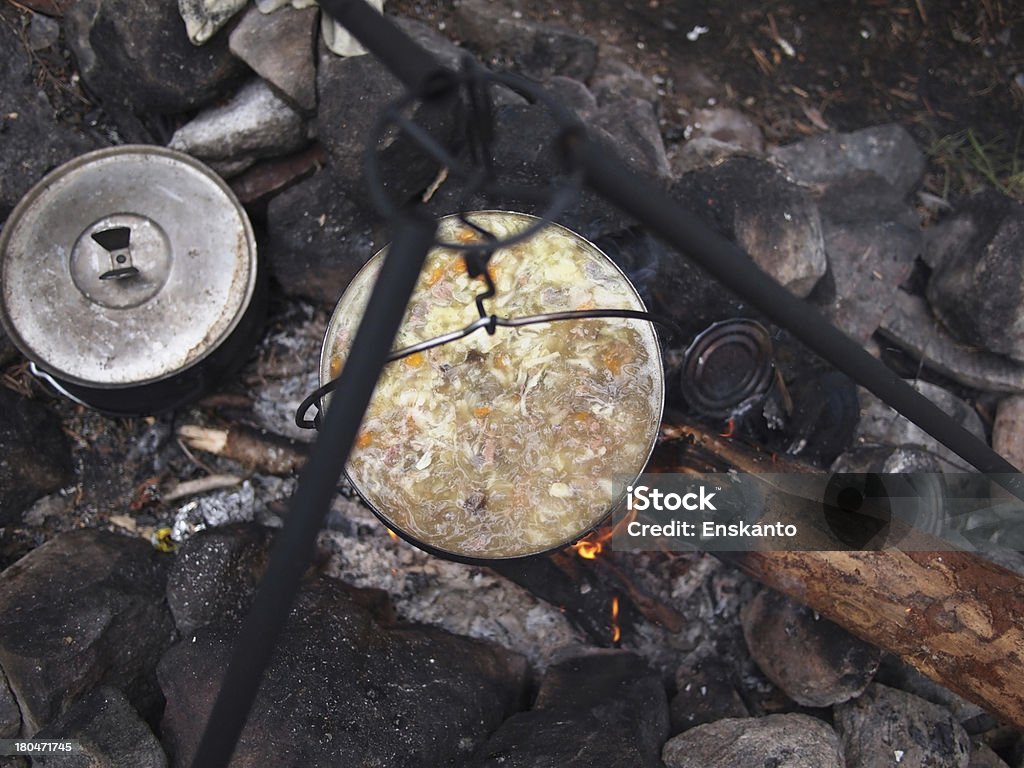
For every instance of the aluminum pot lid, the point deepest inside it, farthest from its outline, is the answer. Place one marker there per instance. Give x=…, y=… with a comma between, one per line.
x=125, y=266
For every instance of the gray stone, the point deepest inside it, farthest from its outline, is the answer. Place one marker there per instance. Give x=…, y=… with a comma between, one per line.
x=604, y=709
x=814, y=661
x=881, y=425
x=85, y=608
x=637, y=138
x=353, y=91
x=982, y=756
x=887, y=727
x=1008, y=430
x=343, y=690
x=614, y=80
x=773, y=220
x=215, y=576
x=969, y=229
x=909, y=324
x=536, y=50
x=867, y=263
x=253, y=124
x=872, y=238
x=896, y=673
x=573, y=94
x=35, y=140
x=317, y=238
x=715, y=134
x=885, y=150
x=34, y=455
x=43, y=32
x=780, y=741
x=135, y=54
x=281, y=48
x=977, y=291
x=110, y=732
x=705, y=694
x=204, y=17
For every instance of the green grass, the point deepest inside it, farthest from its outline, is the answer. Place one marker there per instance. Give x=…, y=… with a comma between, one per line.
x=966, y=163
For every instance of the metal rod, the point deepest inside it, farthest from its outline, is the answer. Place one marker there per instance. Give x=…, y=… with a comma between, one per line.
x=409, y=62
x=293, y=545
x=729, y=264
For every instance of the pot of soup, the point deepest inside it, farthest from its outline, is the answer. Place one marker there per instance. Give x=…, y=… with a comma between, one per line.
x=506, y=444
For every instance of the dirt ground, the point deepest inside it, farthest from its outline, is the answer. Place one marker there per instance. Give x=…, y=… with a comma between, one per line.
x=952, y=72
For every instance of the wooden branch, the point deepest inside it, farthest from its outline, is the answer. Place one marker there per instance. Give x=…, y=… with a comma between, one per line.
x=953, y=615
x=262, y=451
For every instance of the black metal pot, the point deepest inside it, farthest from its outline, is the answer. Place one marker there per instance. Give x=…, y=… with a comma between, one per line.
x=129, y=278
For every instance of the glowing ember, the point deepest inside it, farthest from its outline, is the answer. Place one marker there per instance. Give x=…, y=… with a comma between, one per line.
x=616, y=629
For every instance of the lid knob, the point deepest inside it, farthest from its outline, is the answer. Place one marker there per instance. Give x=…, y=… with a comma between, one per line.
x=116, y=242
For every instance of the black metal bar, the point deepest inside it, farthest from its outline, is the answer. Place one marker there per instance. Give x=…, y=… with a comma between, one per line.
x=408, y=61
x=293, y=545
x=657, y=211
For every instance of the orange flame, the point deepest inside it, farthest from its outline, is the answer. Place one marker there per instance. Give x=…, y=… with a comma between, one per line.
x=616, y=629
x=588, y=548
x=592, y=545
x=392, y=534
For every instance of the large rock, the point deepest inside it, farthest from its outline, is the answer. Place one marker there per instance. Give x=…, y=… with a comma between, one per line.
x=281, y=48
x=318, y=237
x=815, y=662
x=343, y=690
x=615, y=80
x=353, y=92
x=977, y=288
x=773, y=220
x=909, y=324
x=780, y=741
x=887, y=727
x=606, y=709
x=85, y=608
x=204, y=17
x=872, y=238
x=253, y=124
x=714, y=134
x=110, y=732
x=536, y=50
x=634, y=127
x=884, y=150
x=34, y=456
x=136, y=54
x=35, y=139
x=215, y=575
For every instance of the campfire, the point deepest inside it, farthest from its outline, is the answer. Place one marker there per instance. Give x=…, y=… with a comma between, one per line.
x=158, y=535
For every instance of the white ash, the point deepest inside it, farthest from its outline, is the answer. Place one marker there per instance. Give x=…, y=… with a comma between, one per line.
x=286, y=371
x=464, y=599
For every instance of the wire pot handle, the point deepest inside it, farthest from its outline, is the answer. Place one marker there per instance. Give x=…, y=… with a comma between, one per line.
x=489, y=323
